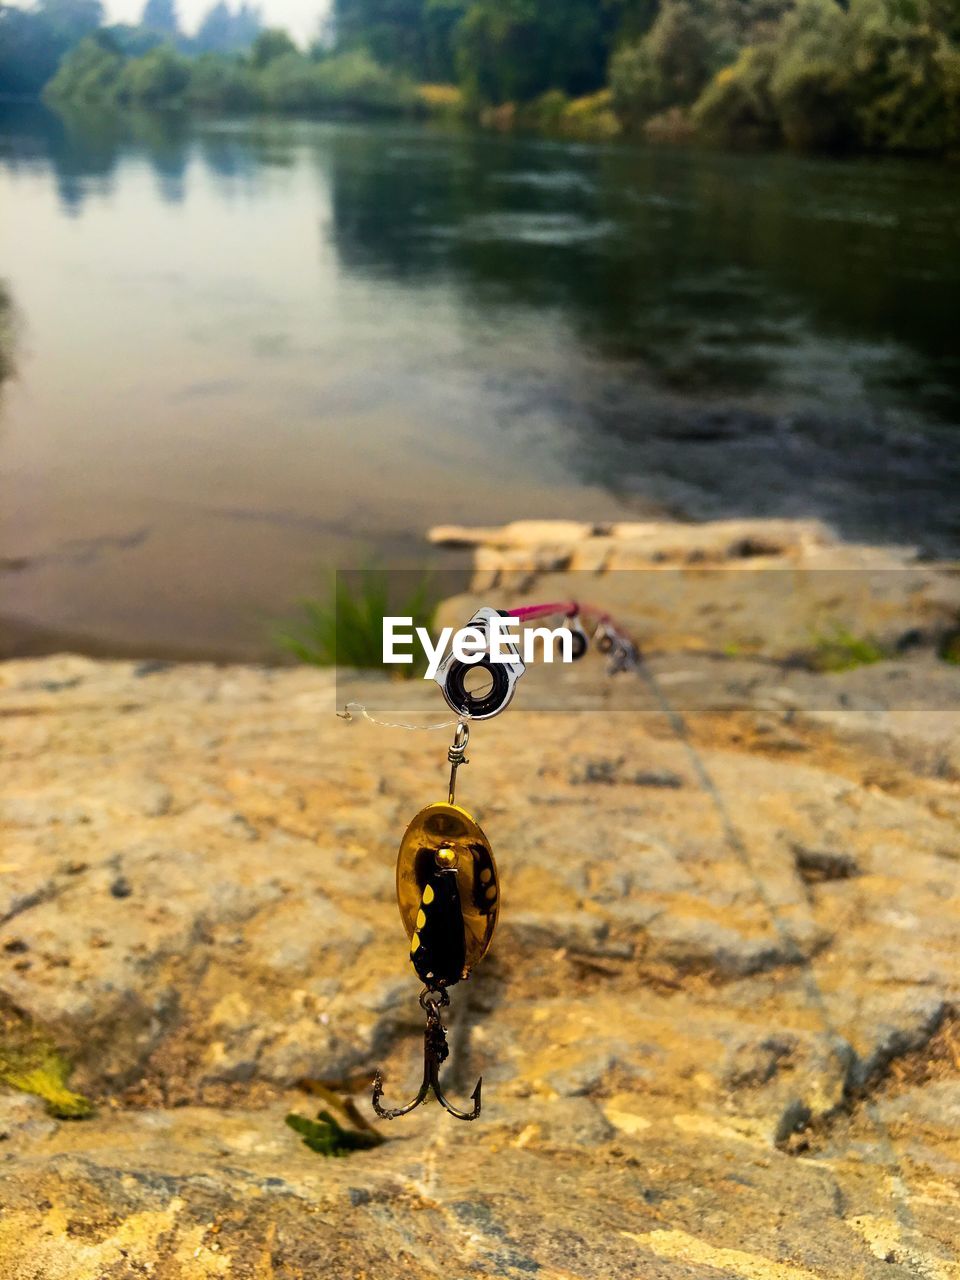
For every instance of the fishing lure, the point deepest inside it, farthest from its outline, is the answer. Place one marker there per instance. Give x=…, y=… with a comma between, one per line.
x=448, y=893
x=448, y=890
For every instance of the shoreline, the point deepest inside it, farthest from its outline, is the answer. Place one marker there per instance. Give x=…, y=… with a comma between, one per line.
x=510, y=119
x=21, y=639
x=563, y=559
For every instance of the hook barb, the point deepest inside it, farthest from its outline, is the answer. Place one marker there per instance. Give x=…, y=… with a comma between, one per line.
x=434, y=1052
x=461, y=1115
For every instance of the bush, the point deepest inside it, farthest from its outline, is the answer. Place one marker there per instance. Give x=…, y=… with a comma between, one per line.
x=351, y=80
x=880, y=75
x=948, y=62
x=546, y=112
x=89, y=73
x=6, y=332
x=270, y=45
x=127, y=40
x=874, y=74
x=635, y=86
x=287, y=83
x=673, y=125
x=681, y=49
x=810, y=87
x=668, y=67
x=943, y=16
x=902, y=68
x=158, y=79
x=355, y=80
x=591, y=117
x=736, y=108
x=222, y=83
x=440, y=99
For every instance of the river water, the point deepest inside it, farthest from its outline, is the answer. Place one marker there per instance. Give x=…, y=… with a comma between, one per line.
x=251, y=351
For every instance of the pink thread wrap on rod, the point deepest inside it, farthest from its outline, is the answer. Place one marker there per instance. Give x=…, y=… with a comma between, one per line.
x=542, y=610
x=569, y=608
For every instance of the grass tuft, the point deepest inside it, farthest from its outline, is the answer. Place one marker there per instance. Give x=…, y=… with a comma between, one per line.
x=841, y=650
x=346, y=628
x=6, y=332
x=949, y=650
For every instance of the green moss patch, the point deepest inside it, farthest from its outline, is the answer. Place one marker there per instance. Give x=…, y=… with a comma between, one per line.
x=328, y=1137
x=31, y=1063
x=841, y=650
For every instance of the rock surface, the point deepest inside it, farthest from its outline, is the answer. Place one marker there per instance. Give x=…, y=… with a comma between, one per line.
x=718, y=1029
x=777, y=588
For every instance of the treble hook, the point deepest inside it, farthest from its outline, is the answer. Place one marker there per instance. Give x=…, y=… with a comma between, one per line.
x=435, y=1051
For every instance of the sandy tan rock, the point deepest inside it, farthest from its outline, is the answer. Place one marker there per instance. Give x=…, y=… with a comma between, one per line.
x=717, y=1029
x=517, y=535
x=767, y=587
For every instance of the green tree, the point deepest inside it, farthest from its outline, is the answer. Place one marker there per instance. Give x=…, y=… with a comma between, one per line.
x=288, y=84
x=247, y=25
x=89, y=73
x=943, y=16
x=29, y=51
x=355, y=80
x=71, y=20
x=736, y=106
x=351, y=80
x=222, y=83
x=215, y=33
x=441, y=19
x=900, y=76
x=635, y=84
x=270, y=44
x=129, y=41
x=158, y=79
x=515, y=50
x=682, y=53
x=811, y=84
x=634, y=19
x=223, y=31
x=161, y=16
x=397, y=33
x=734, y=24
x=669, y=67
x=32, y=41
x=874, y=74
